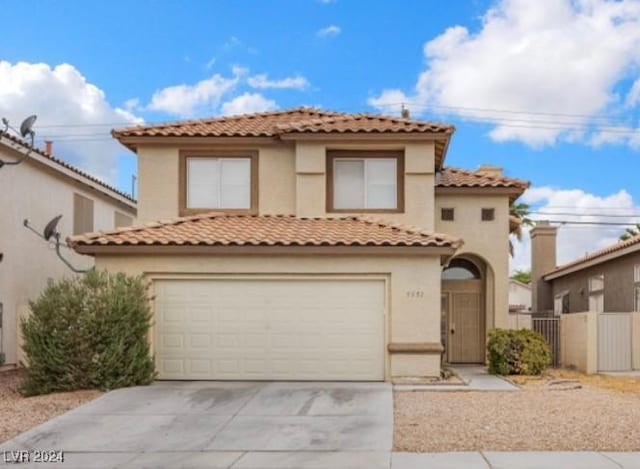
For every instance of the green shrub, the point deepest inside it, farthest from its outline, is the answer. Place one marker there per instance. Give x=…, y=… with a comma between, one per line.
x=88, y=332
x=517, y=352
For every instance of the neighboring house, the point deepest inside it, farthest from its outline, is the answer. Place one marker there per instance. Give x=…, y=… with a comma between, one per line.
x=306, y=244
x=38, y=189
x=598, y=298
x=519, y=296
x=519, y=304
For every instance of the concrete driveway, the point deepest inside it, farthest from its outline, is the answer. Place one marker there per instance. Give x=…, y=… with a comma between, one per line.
x=218, y=424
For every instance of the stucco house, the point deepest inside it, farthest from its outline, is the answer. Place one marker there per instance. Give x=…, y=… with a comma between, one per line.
x=312, y=245
x=597, y=298
x=38, y=189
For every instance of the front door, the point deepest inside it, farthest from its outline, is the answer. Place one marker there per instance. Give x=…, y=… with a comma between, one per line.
x=465, y=328
x=463, y=331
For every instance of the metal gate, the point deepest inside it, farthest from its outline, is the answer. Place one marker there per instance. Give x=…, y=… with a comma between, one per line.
x=549, y=328
x=614, y=342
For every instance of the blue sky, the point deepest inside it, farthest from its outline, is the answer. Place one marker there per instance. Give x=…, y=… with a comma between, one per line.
x=546, y=89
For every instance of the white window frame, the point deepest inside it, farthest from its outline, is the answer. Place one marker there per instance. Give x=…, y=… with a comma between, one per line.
x=596, y=293
x=636, y=273
x=592, y=281
x=558, y=303
x=219, y=183
x=365, y=169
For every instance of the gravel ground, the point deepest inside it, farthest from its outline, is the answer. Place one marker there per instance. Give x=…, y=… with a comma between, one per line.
x=535, y=418
x=18, y=413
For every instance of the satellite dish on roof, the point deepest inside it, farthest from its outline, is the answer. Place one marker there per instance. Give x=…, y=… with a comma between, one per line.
x=26, y=128
x=50, y=230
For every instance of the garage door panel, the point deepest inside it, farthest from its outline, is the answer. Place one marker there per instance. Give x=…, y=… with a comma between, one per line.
x=270, y=329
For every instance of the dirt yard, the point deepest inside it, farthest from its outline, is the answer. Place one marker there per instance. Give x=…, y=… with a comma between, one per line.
x=564, y=411
x=19, y=414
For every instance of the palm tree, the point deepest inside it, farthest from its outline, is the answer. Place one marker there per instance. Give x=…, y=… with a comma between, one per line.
x=630, y=232
x=518, y=217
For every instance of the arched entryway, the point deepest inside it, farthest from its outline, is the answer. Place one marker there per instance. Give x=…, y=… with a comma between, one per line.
x=463, y=321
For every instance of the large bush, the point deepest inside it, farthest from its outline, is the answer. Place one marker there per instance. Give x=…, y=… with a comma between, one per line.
x=517, y=352
x=88, y=332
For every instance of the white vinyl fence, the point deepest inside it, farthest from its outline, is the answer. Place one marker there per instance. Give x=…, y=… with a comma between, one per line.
x=614, y=341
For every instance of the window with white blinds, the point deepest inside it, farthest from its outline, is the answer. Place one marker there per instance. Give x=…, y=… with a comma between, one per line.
x=367, y=183
x=223, y=183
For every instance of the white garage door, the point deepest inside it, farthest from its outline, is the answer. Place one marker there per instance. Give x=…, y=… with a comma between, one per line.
x=270, y=329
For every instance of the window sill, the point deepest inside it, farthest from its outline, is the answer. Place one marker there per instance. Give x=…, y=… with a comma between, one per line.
x=185, y=212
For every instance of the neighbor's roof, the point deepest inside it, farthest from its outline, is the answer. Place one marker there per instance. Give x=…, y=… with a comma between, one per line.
x=597, y=257
x=216, y=229
x=20, y=145
x=287, y=124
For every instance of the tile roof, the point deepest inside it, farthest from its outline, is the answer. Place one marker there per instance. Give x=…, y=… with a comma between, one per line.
x=271, y=124
x=216, y=229
x=70, y=167
x=596, y=255
x=456, y=177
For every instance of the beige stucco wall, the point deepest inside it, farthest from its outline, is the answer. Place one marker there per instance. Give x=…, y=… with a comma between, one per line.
x=33, y=191
x=488, y=240
x=579, y=341
x=292, y=180
x=410, y=318
x=635, y=351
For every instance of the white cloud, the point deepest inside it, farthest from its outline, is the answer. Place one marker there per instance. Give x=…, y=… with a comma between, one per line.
x=633, y=96
x=210, y=63
x=329, y=31
x=186, y=100
x=558, y=57
x=575, y=205
x=248, y=103
x=68, y=109
x=262, y=81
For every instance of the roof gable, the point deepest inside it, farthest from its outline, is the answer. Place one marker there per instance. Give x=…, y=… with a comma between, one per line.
x=18, y=145
x=292, y=124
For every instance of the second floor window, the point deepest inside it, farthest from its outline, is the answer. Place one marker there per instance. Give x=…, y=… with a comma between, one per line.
x=368, y=183
x=82, y=214
x=218, y=183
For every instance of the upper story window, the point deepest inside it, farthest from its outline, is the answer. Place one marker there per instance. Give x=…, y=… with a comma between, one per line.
x=82, y=214
x=121, y=220
x=447, y=214
x=488, y=214
x=220, y=181
x=365, y=181
x=596, y=293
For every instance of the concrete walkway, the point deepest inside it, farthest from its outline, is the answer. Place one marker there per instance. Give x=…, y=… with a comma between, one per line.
x=516, y=460
x=476, y=378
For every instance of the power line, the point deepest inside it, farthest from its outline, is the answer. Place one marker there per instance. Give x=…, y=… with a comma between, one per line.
x=612, y=215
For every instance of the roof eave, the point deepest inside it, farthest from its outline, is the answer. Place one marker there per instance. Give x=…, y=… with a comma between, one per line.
x=581, y=265
x=119, y=250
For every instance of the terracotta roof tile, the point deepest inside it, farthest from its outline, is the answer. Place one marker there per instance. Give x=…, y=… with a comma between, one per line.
x=456, y=177
x=216, y=229
x=70, y=167
x=635, y=241
x=271, y=124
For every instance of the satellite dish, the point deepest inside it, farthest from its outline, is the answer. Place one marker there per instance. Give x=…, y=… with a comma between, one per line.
x=50, y=229
x=26, y=128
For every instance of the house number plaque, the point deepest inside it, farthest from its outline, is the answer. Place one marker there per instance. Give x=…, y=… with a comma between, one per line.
x=415, y=293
